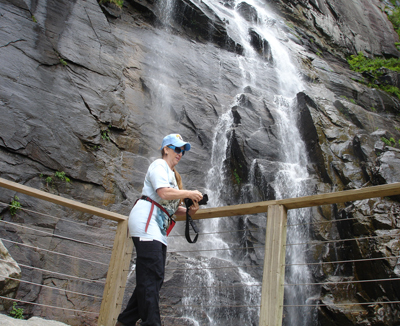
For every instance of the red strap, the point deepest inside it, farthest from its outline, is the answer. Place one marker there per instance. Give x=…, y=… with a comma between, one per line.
x=155, y=203
x=171, y=221
x=149, y=218
x=171, y=225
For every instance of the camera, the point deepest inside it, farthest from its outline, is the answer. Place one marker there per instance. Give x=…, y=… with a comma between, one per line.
x=203, y=201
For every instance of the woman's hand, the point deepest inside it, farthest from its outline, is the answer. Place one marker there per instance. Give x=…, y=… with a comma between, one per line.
x=195, y=195
x=194, y=208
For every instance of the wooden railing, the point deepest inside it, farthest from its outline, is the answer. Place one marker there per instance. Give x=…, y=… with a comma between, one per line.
x=119, y=263
x=274, y=261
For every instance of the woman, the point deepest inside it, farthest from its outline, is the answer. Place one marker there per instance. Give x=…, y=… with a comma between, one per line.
x=148, y=225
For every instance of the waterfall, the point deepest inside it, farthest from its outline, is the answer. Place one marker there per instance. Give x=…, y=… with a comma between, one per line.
x=291, y=179
x=213, y=302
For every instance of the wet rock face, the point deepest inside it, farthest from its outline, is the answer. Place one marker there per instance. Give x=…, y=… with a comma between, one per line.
x=91, y=90
x=345, y=27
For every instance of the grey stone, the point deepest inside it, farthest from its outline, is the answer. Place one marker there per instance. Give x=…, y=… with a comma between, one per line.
x=9, y=279
x=34, y=321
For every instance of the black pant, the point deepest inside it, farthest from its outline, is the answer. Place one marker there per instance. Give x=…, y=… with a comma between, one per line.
x=144, y=302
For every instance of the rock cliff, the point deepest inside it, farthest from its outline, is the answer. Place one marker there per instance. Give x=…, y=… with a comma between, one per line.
x=90, y=90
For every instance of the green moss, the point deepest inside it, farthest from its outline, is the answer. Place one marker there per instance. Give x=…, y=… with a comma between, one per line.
x=394, y=17
x=237, y=177
x=15, y=205
x=118, y=3
x=105, y=134
x=390, y=142
x=372, y=67
x=61, y=175
x=360, y=63
x=17, y=313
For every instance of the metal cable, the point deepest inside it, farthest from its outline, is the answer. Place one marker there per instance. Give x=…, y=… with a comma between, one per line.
x=55, y=252
x=203, y=268
x=43, y=305
x=51, y=287
x=200, y=250
x=341, y=240
x=213, y=306
x=347, y=282
x=51, y=272
x=345, y=261
x=56, y=235
x=341, y=304
x=54, y=217
x=323, y=222
x=222, y=232
x=216, y=286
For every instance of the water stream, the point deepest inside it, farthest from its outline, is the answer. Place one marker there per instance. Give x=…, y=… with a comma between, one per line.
x=215, y=303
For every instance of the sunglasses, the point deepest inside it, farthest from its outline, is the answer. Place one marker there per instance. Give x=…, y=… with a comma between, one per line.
x=177, y=150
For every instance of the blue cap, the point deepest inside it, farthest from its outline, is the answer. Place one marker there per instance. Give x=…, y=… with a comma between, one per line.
x=175, y=140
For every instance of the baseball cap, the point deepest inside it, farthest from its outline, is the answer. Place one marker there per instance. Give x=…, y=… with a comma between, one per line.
x=175, y=140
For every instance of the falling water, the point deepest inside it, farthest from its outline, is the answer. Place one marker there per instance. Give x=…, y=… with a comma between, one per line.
x=290, y=181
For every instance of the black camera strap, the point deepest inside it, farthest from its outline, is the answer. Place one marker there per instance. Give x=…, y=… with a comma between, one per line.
x=190, y=221
x=188, y=202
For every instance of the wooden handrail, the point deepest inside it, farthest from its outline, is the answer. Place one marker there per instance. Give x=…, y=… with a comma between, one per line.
x=61, y=200
x=272, y=295
x=300, y=202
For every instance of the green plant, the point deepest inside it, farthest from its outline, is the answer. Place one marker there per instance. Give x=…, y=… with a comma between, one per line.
x=17, y=313
x=105, y=135
x=394, y=17
x=237, y=177
x=386, y=141
x=118, y=3
x=63, y=62
x=372, y=67
x=61, y=175
x=361, y=63
x=15, y=205
x=389, y=142
x=58, y=174
x=34, y=19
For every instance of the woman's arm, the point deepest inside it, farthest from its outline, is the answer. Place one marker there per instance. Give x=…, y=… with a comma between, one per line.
x=172, y=193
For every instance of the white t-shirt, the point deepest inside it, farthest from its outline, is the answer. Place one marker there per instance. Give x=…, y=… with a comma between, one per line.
x=159, y=175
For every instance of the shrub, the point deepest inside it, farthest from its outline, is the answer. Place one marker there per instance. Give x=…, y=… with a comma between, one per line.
x=17, y=313
x=362, y=64
x=118, y=3
x=15, y=205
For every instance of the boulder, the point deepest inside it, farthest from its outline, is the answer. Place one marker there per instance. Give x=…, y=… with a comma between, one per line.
x=33, y=321
x=9, y=279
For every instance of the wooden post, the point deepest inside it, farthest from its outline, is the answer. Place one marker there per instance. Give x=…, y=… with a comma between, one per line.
x=116, y=276
x=274, y=267
x=124, y=277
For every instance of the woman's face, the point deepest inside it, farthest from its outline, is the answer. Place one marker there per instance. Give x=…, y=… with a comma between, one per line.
x=172, y=157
